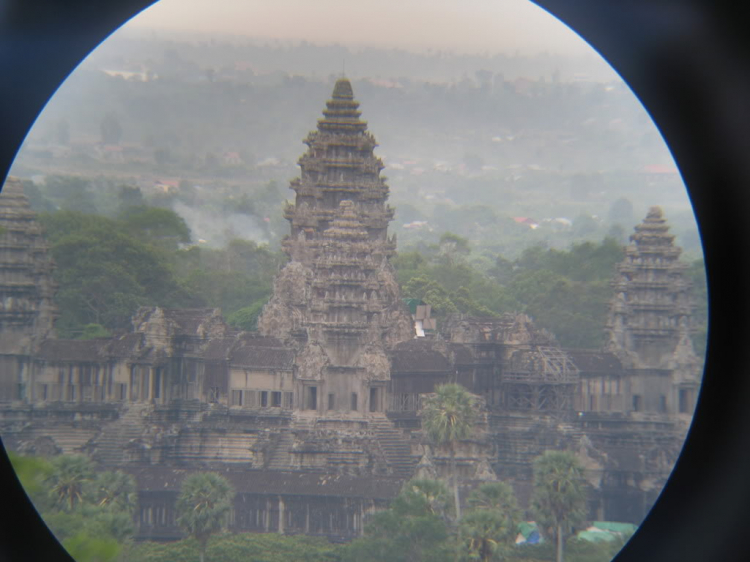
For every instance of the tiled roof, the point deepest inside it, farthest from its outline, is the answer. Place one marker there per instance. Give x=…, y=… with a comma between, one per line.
x=125, y=346
x=418, y=356
x=74, y=350
x=262, y=352
x=593, y=361
x=219, y=348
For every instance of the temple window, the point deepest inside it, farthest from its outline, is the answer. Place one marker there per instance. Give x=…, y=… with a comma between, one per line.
x=311, y=399
x=276, y=399
x=684, y=402
x=133, y=383
x=637, y=403
x=354, y=401
x=157, y=383
x=374, y=399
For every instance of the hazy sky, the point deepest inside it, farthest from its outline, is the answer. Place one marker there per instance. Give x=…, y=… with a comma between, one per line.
x=460, y=25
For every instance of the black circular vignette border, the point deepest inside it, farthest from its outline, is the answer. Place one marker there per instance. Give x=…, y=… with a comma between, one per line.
x=689, y=63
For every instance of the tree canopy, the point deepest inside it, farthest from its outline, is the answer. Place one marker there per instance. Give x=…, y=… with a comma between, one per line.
x=447, y=418
x=203, y=506
x=413, y=529
x=559, y=495
x=90, y=513
x=108, y=267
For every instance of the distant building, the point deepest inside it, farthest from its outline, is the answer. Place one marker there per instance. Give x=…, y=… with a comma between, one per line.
x=315, y=419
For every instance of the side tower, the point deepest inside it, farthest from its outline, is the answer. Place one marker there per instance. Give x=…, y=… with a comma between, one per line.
x=650, y=317
x=337, y=299
x=27, y=310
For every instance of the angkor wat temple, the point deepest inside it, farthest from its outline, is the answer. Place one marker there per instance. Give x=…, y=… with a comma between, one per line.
x=315, y=417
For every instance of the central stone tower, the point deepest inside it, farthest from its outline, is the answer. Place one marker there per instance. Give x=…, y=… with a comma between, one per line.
x=337, y=299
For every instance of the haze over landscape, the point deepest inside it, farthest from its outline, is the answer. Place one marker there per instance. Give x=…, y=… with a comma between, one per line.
x=518, y=164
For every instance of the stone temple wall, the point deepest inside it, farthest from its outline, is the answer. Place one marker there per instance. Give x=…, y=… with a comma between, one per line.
x=316, y=417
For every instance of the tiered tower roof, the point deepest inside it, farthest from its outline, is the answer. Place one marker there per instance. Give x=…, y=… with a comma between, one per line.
x=651, y=312
x=27, y=311
x=339, y=283
x=339, y=165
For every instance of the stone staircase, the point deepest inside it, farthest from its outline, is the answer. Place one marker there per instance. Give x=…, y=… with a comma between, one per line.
x=395, y=447
x=115, y=436
x=70, y=441
x=281, y=458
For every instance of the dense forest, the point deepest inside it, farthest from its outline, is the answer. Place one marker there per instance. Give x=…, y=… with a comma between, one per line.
x=139, y=253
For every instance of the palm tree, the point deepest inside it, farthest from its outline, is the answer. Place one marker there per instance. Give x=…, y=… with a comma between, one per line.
x=559, y=495
x=422, y=496
x=484, y=530
x=114, y=489
x=492, y=521
x=203, y=505
x=495, y=495
x=70, y=475
x=447, y=418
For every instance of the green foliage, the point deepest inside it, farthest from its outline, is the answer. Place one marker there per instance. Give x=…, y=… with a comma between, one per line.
x=33, y=473
x=495, y=495
x=422, y=496
x=93, y=331
x=236, y=277
x=414, y=528
x=92, y=515
x=84, y=547
x=156, y=225
x=203, y=506
x=559, y=495
x=431, y=293
x=89, y=524
x=576, y=550
x=70, y=475
x=484, y=531
x=244, y=546
x=448, y=415
x=566, y=292
x=104, y=275
x=453, y=245
x=113, y=490
x=491, y=524
x=247, y=318
x=107, y=268
x=228, y=290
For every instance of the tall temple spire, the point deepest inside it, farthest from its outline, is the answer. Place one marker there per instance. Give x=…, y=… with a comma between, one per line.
x=339, y=165
x=27, y=310
x=650, y=315
x=337, y=298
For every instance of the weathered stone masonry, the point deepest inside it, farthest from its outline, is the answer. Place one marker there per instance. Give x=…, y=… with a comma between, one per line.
x=315, y=418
